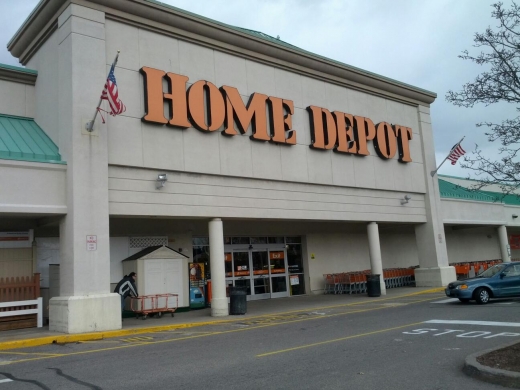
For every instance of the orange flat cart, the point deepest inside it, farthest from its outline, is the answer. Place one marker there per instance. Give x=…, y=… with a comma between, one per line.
x=149, y=305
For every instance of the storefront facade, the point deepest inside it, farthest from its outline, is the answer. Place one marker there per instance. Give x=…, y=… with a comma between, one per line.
x=270, y=163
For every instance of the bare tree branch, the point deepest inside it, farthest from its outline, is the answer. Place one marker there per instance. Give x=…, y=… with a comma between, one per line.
x=499, y=82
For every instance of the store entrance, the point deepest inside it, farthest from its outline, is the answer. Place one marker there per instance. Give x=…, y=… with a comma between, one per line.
x=262, y=271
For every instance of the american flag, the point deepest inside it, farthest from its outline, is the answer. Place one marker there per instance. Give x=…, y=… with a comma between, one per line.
x=456, y=153
x=111, y=95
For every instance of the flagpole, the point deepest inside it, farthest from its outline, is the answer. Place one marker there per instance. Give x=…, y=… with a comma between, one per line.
x=432, y=173
x=90, y=125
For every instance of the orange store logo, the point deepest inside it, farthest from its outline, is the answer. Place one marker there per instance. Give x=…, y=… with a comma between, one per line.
x=209, y=109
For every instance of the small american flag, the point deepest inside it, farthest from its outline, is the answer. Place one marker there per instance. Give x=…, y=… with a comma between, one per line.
x=111, y=95
x=456, y=153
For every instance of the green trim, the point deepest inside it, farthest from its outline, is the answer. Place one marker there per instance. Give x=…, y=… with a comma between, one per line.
x=279, y=42
x=513, y=200
x=19, y=69
x=22, y=139
x=454, y=191
x=454, y=177
x=510, y=199
x=449, y=190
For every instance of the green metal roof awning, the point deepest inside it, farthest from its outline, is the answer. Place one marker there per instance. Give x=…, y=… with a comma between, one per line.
x=454, y=191
x=22, y=139
x=507, y=199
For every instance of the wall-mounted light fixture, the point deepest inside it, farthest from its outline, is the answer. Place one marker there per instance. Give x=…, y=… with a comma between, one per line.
x=180, y=249
x=250, y=246
x=161, y=179
x=514, y=216
x=406, y=199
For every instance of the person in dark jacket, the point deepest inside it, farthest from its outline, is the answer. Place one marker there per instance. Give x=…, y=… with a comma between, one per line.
x=126, y=287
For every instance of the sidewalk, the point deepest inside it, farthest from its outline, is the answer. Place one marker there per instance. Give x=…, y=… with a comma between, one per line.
x=21, y=338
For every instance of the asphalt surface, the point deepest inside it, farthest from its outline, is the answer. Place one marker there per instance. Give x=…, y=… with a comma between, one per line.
x=405, y=342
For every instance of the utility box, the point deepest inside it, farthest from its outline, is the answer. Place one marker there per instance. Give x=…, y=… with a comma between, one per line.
x=160, y=270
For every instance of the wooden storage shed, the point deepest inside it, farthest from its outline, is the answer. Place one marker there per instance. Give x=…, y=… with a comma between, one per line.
x=160, y=270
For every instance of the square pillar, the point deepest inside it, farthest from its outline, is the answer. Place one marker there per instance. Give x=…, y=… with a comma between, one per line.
x=434, y=270
x=86, y=303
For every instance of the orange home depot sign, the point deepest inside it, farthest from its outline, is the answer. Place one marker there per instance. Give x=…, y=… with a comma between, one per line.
x=209, y=109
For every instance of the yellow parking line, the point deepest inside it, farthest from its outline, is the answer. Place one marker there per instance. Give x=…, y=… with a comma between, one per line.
x=30, y=353
x=132, y=345
x=98, y=336
x=336, y=340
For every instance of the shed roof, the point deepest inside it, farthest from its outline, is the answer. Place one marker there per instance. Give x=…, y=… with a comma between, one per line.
x=151, y=249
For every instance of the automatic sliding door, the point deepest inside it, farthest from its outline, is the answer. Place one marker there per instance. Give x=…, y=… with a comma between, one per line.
x=260, y=266
x=242, y=270
x=263, y=272
x=278, y=272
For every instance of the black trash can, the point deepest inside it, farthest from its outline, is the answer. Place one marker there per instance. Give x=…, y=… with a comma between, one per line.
x=373, y=285
x=237, y=300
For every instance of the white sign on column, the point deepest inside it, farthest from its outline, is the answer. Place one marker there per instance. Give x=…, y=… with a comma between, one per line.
x=91, y=243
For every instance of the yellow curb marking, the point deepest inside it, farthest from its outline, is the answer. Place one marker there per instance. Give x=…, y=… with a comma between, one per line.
x=131, y=345
x=336, y=340
x=59, y=339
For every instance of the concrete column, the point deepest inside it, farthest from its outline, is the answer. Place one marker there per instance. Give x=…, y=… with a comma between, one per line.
x=86, y=303
x=219, y=303
x=434, y=270
x=504, y=244
x=374, y=248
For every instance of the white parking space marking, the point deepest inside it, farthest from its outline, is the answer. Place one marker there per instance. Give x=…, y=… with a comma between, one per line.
x=464, y=334
x=447, y=300
x=5, y=380
x=453, y=300
x=486, y=323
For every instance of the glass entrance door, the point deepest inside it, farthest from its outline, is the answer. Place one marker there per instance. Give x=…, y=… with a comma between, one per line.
x=260, y=267
x=242, y=270
x=263, y=272
x=278, y=274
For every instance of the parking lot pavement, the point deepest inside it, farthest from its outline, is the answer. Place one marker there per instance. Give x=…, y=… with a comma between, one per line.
x=257, y=311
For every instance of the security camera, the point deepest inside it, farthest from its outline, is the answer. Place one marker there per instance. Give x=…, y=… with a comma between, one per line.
x=407, y=197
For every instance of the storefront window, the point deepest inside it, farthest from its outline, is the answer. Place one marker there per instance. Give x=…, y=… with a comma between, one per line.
x=241, y=264
x=269, y=262
x=201, y=255
x=295, y=268
x=228, y=264
x=200, y=241
x=297, y=284
x=258, y=240
x=294, y=258
x=240, y=240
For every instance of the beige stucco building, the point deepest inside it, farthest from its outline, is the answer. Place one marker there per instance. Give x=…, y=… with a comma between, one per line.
x=326, y=169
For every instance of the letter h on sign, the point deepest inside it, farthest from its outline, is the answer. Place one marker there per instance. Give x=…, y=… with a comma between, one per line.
x=208, y=108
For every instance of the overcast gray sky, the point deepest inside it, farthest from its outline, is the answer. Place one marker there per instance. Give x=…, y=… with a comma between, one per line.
x=412, y=41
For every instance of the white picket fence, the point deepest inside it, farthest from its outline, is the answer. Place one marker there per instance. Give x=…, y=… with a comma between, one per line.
x=38, y=310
